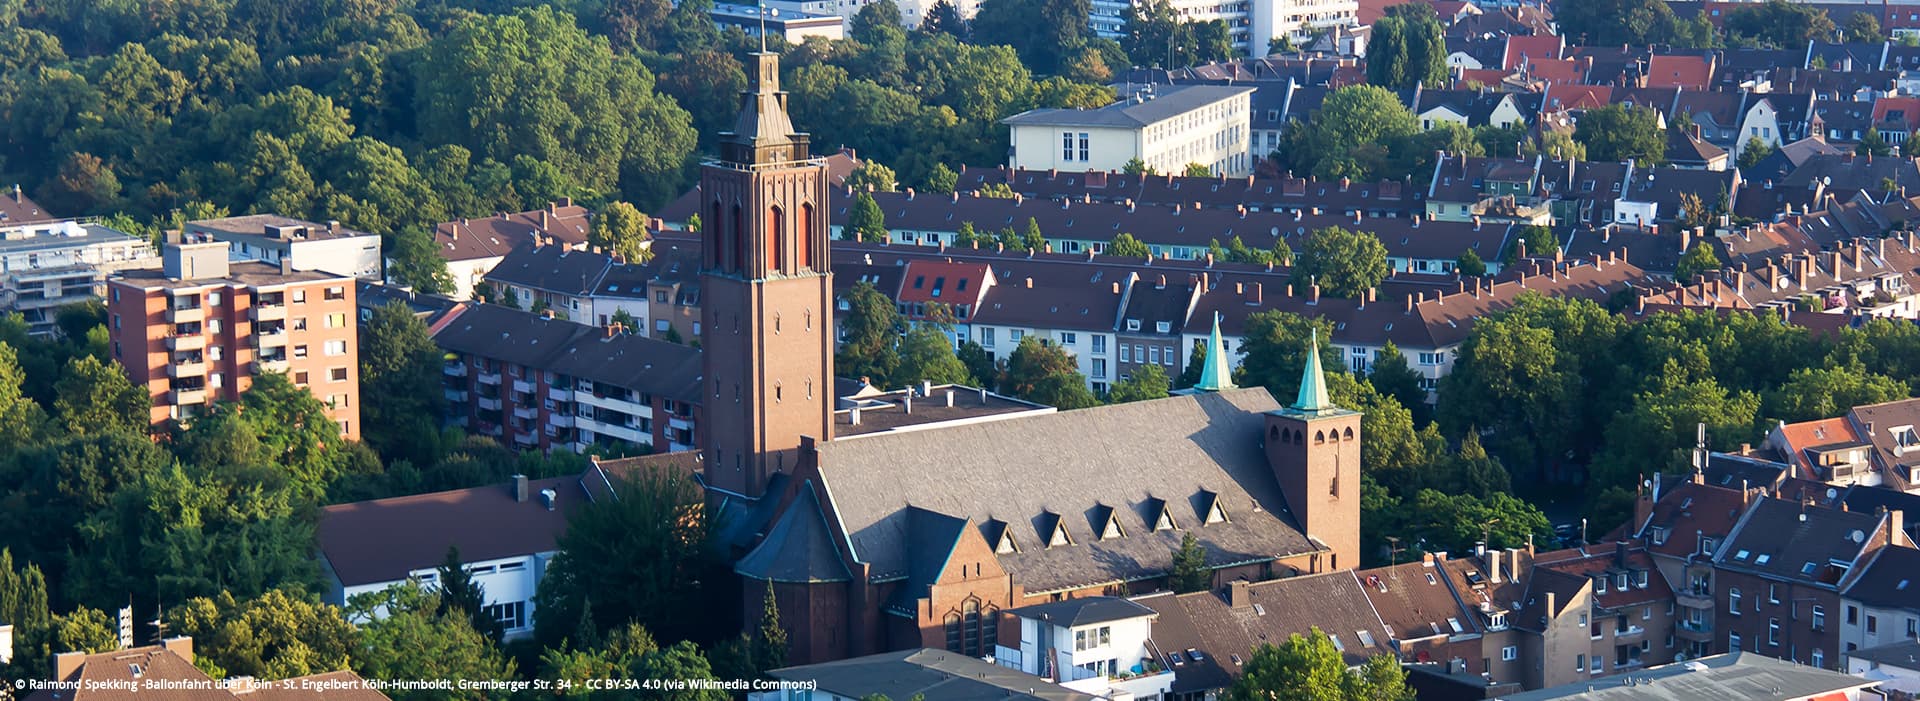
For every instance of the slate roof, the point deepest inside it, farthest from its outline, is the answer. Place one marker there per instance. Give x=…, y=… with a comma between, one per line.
x=1773, y=530
x=1414, y=600
x=555, y=269
x=508, y=335
x=1905, y=654
x=1176, y=449
x=798, y=548
x=1277, y=610
x=1685, y=512
x=624, y=360
x=1165, y=104
x=1534, y=612
x=492, y=237
x=1889, y=579
x=1735, y=675
x=1074, y=613
x=17, y=208
x=929, y=675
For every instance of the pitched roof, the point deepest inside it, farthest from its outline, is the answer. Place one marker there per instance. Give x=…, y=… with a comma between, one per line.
x=493, y=237
x=929, y=675
x=1226, y=637
x=1180, y=450
x=555, y=269
x=1087, y=611
x=1538, y=606
x=1415, y=600
x=384, y=540
x=1166, y=104
x=799, y=547
x=1890, y=579
x=1905, y=653
x=1667, y=71
x=1688, y=511
x=1782, y=539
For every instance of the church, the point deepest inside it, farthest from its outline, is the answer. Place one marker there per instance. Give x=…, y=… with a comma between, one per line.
x=920, y=538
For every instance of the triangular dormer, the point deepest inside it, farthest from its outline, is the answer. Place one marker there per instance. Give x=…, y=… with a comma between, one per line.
x=1054, y=529
x=1107, y=520
x=1159, y=517
x=995, y=531
x=1210, y=509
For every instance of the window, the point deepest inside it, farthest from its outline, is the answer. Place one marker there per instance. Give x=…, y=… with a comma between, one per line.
x=1153, y=352
x=1733, y=642
x=337, y=320
x=336, y=374
x=511, y=615
x=1126, y=353
x=1092, y=638
x=1580, y=663
x=213, y=299
x=1873, y=624
x=1853, y=615
x=1099, y=343
x=1015, y=335
x=1099, y=368
x=1167, y=357
x=660, y=326
x=1066, y=146
x=1819, y=617
x=300, y=378
x=1733, y=601
x=1068, y=338
x=336, y=293
x=1773, y=593
x=1913, y=626
x=1819, y=658
x=1083, y=147
x=1510, y=653
x=336, y=348
x=299, y=296
x=300, y=351
x=986, y=337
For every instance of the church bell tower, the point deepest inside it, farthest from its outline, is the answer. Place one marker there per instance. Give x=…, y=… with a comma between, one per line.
x=1313, y=447
x=767, y=332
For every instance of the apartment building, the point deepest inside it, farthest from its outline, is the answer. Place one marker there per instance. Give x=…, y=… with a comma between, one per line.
x=1300, y=21
x=535, y=381
x=306, y=246
x=547, y=276
x=1166, y=130
x=473, y=246
x=51, y=264
x=200, y=328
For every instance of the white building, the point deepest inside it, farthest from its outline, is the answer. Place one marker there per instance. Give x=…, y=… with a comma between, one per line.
x=1098, y=645
x=49, y=264
x=791, y=21
x=1895, y=665
x=269, y=238
x=1297, y=20
x=506, y=535
x=1204, y=124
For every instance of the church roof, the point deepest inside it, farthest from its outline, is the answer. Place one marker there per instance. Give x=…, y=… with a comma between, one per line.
x=799, y=548
x=1071, y=470
x=1313, y=381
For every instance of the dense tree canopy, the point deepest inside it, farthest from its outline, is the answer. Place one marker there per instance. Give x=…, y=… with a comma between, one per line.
x=1343, y=263
x=1618, y=133
x=1045, y=373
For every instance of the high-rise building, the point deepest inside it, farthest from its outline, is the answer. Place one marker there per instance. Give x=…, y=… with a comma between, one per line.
x=768, y=341
x=198, y=330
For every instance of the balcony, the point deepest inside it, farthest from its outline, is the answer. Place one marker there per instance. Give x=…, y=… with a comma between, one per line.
x=186, y=315
x=560, y=420
x=454, y=369
x=275, y=338
x=1701, y=632
x=489, y=378
x=1631, y=633
x=456, y=396
x=526, y=412
x=523, y=386
x=187, y=342
x=1694, y=599
x=488, y=403
x=559, y=394
x=526, y=439
x=188, y=396
x=269, y=312
x=271, y=365
x=196, y=368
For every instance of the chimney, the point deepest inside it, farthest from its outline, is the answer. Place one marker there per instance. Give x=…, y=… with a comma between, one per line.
x=1116, y=288
x=286, y=265
x=519, y=488
x=1551, y=600
x=949, y=398
x=1896, y=523
x=1620, y=554
x=1313, y=293
x=543, y=216
x=1411, y=302
x=1239, y=595
x=1160, y=283
x=17, y=197
x=549, y=497
x=1493, y=566
x=853, y=415
x=1029, y=283
x=67, y=664
x=1476, y=222
x=907, y=402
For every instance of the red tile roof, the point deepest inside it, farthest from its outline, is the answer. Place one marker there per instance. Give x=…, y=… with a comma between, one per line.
x=1679, y=72
x=1531, y=49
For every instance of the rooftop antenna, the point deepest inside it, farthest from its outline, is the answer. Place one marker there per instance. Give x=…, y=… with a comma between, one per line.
x=761, y=7
x=1393, y=552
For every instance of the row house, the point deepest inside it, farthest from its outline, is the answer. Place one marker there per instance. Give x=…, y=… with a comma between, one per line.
x=1385, y=198
x=539, y=382
x=1869, y=446
x=547, y=276
x=1474, y=108
x=472, y=246
x=1658, y=195
x=201, y=328
x=1864, y=278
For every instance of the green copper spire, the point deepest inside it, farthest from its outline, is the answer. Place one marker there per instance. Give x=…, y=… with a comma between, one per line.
x=1217, y=373
x=1313, y=382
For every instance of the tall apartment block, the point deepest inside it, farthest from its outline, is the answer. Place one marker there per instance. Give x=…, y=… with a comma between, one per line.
x=199, y=329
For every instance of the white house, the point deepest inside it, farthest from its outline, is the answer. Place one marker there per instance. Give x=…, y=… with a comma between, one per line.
x=506, y=536
x=1165, y=128
x=1097, y=645
x=1895, y=665
x=271, y=238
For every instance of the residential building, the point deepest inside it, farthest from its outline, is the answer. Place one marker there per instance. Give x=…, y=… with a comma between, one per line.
x=792, y=22
x=506, y=534
x=1896, y=666
x=51, y=264
x=1729, y=676
x=919, y=673
x=536, y=381
x=167, y=669
x=305, y=245
x=1299, y=21
x=1631, y=617
x=1881, y=608
x=1424, y=620
x=473, y=246
x=199, y=329
x=1166, y=130
x=1207, y=637
x=1098, y=645
x=545, y=277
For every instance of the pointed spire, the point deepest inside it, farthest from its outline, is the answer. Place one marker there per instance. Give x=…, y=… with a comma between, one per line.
x=1216, y=373
x=1313, y=381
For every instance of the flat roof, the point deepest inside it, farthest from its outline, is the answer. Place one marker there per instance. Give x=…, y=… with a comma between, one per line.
x=1166, y=104
x=256, y=225
x=245, y=273
x=78, y=236
x=1736, y=675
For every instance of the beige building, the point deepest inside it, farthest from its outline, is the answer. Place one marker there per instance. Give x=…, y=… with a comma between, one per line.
x=198, y=330
x=304, y=245
x=1166, y=130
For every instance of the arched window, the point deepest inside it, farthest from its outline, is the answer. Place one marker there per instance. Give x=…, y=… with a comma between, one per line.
x=1319, y=437
x=970, y=629
x=803, y=234
x=776, y=240
x=1346, y=435
x=989, y=629
x=739, y=238
x=715, y=226
x=953, y=632
x=1273, y=433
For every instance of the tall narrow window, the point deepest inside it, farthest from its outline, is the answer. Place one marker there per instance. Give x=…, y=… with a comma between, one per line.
x=776, y=240
x=739, y=238
x=717, y=226
x=803, y=235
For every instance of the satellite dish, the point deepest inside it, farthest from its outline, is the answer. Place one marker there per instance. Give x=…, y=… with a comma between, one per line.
x=1857, y=536
x=1831, y=493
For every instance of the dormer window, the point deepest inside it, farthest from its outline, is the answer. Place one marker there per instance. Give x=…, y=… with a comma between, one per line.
x=1112, y=529
x=1133, y=324
x=1210, y=505
x=1162, y=517
x=1659, y=535
x=1006, y=546
x=1600, y=584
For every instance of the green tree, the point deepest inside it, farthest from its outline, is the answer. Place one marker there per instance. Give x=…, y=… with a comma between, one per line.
x=1196, y=363
x=1190, y=572
x=869, y=175
x=1390, y=442
x=1275, y=344
x=651, y=544
x=871, y=331
x=1311, y=667
x=1135, y=166
x=1196, y=170
x=1469, y=264
x=460, y=594
x=1753, y=153
x=413, y=641
x=942, y=180
x=1457, y=521
x=980, y=364
x=1697, y=260
x=401, y=401
x=1779, y=23
x=94, y=396
x=582, y=661
x=769, y=639
x=926, y=354
x=1390, y=374
x=417, y=263
x=1348, y=137
x=682, y=660
x=1146, y=382
x=1872, y=144
x=1820, y=393
x=944, y=18
x=1537, y=241
x=282, y=633
x=621, y=230
x=1618, y=133
x=1659, y=428
x=865, y=222
x=1864, y=28
x=1045, y=373
x=86, y=630
x=1126, y=246
x=1344, y=263
x=84, y=184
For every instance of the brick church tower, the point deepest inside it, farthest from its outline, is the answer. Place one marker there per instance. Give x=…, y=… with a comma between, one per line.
x=1314, y=450
x=767, y=333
